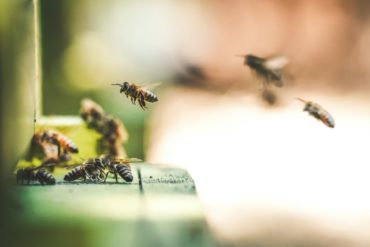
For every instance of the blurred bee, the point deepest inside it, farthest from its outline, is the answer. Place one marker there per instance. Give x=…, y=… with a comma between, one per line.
x=60, y=140
x=111, y=128
x=270, y=69
x=92, y=113
x=91, y=169
x=139, y=93
x=269, y=97
x=120, y=166
x=318, y=112
x=29, y=174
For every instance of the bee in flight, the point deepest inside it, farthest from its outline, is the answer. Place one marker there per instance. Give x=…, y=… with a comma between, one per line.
x=318, y=112
x=91, y=169
x=139, y=93
x=120, y=166
x=29, y=174
x=269, y=97
x=269, y=69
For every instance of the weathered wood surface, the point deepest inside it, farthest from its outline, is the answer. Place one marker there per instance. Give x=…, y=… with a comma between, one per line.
x=159, y=208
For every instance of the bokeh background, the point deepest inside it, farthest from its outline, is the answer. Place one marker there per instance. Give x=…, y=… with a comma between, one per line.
x=267, y=175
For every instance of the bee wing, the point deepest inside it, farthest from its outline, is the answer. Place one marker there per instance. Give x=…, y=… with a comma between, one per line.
x=70, y=166
x=151, y=85
x=128, y=160
x=49, y=164
x=276, y=63
x=50, y=150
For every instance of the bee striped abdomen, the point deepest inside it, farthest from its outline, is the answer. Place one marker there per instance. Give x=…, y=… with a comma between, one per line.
x=45, y=178
x=25, y=175
x=327, y=119
x=125, y=172
x=151, y=97
x=67, y=144
x=319, y=113
x=75, y=174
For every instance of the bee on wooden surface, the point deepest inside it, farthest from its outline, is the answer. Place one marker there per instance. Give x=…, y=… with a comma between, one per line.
x=120, y=166
x=60, y=140
x=30, y=174
x=45, y=177
x=270, y=69
x=91, y=169
x=49, y=150
x=318, y=112
x=139, y=93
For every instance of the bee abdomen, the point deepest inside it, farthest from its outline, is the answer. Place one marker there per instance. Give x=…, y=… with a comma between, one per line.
x=327, y=119
x=75, y=174
x=68, y=144
x=125, y=172
x=45, y=177
x=151, y=97
x=25, y=175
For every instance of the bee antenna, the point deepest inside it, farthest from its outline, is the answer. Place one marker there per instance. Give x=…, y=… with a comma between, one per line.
x=117, y=84
x=304, y=101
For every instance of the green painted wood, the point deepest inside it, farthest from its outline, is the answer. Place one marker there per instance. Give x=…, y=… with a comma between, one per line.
x=19, y=80
x=159, y=208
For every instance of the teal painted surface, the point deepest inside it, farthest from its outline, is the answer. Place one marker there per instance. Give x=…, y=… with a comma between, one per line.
x=160, y=209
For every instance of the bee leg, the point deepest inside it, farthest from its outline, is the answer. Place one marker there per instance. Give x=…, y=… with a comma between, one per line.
x=133, y=100
x=142, y=102
x=116, y=177
x=102, y=176
x=106, y=176
x=59, y=150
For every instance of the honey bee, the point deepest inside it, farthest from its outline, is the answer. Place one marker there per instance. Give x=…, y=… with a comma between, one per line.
x=120, y=166
x=139, y=93
x=318, y=112
x=29, y=174
x=111, y=128
x=91, y=169
x=92, y=113
x=270, y=69
x=269, y=97
x=60, y=140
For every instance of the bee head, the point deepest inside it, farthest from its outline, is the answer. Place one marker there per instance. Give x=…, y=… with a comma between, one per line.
x=45, y=135
x=252, y=60
x=99, y=163
x=124, y=87
x=307, y=106
x=105, y=159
